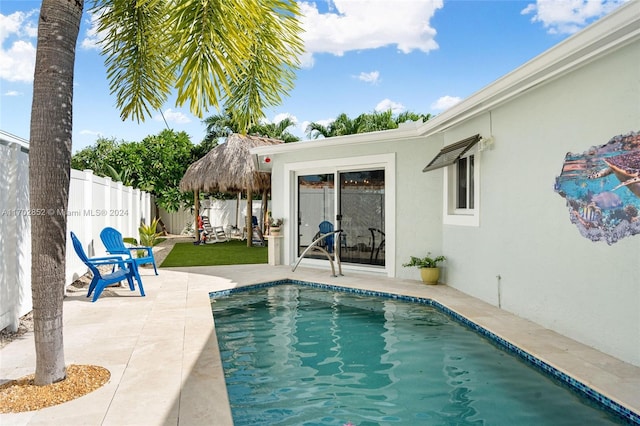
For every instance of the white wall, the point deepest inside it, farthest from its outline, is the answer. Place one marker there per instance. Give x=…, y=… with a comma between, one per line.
x=410, y=189
x=550, y=273
x=525, y=255
x=94, y=203
x=15, y=232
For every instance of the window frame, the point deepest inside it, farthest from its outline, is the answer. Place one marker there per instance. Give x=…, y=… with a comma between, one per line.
x=452, y=214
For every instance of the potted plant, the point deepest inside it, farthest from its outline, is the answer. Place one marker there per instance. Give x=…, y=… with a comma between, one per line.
x=428, y=266
x=274, y=225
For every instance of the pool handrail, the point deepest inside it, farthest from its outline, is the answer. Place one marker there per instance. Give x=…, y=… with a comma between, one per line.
x=314, y=245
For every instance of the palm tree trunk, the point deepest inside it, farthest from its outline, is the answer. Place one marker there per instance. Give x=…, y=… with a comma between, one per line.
x=49, y=171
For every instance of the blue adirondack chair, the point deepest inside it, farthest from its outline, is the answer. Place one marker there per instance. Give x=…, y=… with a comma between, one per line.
x=99, y=280
x=326, y=227
x=113, y=242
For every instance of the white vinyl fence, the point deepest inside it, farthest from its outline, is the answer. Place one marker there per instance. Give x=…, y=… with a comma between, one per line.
x=94, y=202
x=15, y=231
x=225, y=213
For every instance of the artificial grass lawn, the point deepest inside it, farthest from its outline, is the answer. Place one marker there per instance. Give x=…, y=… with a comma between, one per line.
x=227, y=253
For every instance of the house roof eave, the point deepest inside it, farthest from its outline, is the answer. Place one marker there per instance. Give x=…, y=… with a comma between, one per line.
x=610, y=33
x=604, y=36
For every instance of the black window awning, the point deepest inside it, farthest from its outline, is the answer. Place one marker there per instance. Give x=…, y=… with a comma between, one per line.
x=452, y=153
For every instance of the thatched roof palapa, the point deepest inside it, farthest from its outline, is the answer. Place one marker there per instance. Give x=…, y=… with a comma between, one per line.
x=228, y=167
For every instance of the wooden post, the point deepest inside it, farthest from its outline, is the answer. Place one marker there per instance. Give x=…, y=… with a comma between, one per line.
x=196, y=206
x=248, y=219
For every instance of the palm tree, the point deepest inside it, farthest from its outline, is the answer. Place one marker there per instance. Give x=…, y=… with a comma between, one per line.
x=276, y=130
x=342, y=125
x=207, y=50
x=364, y=123
x=377, y=121
x=315, y=130
x=49, y=171
x=412, y=116
x=219, y=126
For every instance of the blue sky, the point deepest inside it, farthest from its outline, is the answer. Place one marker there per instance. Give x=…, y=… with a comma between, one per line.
x=361, y=55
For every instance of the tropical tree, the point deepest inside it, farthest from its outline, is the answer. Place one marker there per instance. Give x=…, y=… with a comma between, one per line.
x=314, y=130
x=219, y=126
x=49, y=174
x=97, y=157
x=412, y=116
x=342, y=125
x=163, y=160
x=364, y=123
x=277, y=130
x=376, y=121
x=206, y=50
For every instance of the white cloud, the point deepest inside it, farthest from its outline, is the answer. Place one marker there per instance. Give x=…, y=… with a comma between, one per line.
x=368, y=24
x=12, y=93
x=17, y=50
x=568, y=16
x=388, y=104
x=279, y=117
x=301, y=129
x=93, y=37
x=173, y=117
x=307, y=60
x=324, y=122
x=372, y=77
x=445, y=102
x=90, y=132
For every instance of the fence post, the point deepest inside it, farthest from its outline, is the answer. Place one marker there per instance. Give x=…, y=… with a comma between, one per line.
x=117, y=209
x=125, y=205
x=136, y=213
x=87, y=219
x=108, y=185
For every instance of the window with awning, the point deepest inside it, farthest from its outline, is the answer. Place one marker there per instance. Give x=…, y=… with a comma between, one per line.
x=451, y=153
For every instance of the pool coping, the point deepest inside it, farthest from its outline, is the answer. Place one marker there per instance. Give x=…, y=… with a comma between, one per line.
x=164, y=359
x=564, y=378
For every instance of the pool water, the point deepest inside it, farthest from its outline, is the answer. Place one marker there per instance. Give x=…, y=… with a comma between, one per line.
x=297, y=355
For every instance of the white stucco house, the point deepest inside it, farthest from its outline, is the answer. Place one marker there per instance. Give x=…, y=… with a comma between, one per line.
x=481, y=183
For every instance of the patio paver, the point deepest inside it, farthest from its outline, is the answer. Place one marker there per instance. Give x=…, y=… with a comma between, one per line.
x=163, y=354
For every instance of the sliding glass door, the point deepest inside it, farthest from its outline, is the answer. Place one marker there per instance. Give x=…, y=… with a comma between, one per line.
x=316, y=204
x=358, y=208
x=361, y=214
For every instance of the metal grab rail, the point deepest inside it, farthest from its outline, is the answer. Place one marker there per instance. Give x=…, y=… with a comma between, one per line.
x=314, y=245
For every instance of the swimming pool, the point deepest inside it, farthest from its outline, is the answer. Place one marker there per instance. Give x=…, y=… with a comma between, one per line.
x=312, y=354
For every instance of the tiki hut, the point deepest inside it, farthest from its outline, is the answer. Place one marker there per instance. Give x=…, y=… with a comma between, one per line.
x=229, y=168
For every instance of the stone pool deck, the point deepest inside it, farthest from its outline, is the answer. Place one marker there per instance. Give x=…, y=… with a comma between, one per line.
x=163, y=356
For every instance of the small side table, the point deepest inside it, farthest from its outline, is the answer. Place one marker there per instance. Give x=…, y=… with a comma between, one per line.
x=275, y=249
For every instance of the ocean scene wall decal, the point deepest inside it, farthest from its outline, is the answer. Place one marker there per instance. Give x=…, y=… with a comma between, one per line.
x=602, y=189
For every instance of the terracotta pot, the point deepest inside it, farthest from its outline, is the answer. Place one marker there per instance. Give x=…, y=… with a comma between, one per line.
x=274, y=230
x=430, y=275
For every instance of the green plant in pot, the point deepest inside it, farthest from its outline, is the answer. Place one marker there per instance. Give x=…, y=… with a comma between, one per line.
x=429, y=270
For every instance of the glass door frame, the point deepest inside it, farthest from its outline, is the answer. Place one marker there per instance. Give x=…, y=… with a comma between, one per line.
x=334, y=166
